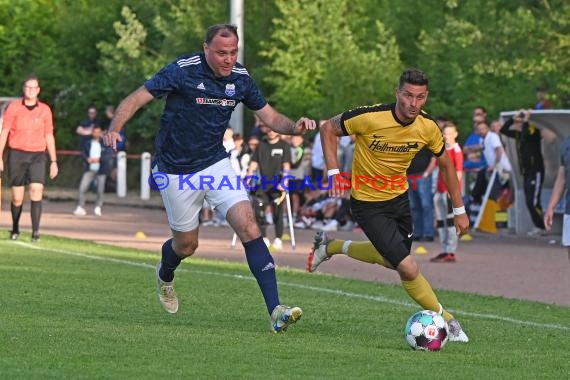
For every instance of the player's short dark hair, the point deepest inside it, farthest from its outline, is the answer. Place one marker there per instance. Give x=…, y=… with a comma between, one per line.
x=31, y=77
x=224, y=30
x=413, y=76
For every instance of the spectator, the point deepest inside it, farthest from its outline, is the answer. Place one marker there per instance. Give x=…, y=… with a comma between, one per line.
x=420, y=193
x=273, y=159
x=543, y=102
x=298, y=172
x=259, y=129
x=85, y=128
x=496, y=126
x=443, y=209
x=252, y=143
x=317, y=159
x=240, y=156
x=473, y=147
x=529, y=150
x=28, y=132
x=441, y=121
x=346, y=153
x=474, y=163
x=497, y=160
x=560, y=188
x=96, y=160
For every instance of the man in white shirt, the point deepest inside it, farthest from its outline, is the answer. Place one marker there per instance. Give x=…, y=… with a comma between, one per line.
x=495, y=156
x=493, y=150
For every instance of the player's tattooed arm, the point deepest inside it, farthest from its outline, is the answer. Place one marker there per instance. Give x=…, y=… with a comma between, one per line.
x=335, y=125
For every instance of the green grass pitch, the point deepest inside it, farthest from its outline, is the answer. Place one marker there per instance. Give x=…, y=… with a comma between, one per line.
x=74, y=309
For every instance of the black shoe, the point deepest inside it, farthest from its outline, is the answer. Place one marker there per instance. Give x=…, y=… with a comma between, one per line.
x=14, y=235
x=417, y=238
x=35, y=238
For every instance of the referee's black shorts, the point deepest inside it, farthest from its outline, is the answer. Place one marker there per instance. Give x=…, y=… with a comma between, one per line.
x=387, y=224
x=26, y=167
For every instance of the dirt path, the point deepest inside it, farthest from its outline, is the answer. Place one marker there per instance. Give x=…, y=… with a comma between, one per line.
x=504, y=265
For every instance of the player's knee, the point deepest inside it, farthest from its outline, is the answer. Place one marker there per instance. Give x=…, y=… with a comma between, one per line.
x=408, y=269
x=186, y=248
x=18, y=201
x=251, y=231
x=36, y=193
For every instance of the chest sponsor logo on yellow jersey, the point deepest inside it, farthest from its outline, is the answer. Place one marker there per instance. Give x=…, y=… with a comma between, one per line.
x=378, y=146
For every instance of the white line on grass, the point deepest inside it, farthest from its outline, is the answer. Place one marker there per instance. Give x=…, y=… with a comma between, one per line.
x=300, y=286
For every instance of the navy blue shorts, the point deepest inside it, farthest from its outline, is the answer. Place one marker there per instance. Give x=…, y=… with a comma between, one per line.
x=387, y=224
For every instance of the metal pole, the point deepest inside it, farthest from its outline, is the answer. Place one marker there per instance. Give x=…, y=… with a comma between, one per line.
x=485, y=198
x=291, y=230
x=121, y=174
x=145, y=174
x=236, y=18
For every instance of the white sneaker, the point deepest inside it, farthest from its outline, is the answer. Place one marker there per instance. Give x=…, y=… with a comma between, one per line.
x=300, y=225
x=536, y=232
x=166, y=294
x=277, y=243
x=284, y=316
x=330, y=226
x=456, y=333
x=97, y=211
x=79, y=211
x=318, y=253
x=317, y=225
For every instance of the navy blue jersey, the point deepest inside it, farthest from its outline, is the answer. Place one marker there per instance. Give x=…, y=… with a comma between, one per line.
x=197, y=111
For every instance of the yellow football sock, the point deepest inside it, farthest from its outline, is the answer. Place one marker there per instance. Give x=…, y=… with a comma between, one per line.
x=359, y=250
x=420, y=290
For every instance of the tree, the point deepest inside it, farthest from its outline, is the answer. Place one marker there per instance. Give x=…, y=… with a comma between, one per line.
x=142, y=46
x=318, y=68
x=497, y=60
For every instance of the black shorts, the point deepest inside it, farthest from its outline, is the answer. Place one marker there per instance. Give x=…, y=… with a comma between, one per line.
x=26, y=167
x=387, y=224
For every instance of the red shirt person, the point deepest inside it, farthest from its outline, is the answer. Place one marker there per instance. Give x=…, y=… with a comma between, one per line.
x=28, y=133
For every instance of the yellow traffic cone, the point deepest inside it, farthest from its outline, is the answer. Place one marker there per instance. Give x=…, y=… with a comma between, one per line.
x=487, y=223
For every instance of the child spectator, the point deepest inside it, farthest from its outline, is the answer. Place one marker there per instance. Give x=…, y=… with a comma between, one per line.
x=442, y=204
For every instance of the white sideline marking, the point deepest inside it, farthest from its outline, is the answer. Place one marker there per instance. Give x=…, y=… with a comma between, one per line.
x=300, y=286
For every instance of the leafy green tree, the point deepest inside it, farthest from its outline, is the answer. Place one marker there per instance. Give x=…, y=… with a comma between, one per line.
x=318, y=68
x=497, y=60
x=141, y=47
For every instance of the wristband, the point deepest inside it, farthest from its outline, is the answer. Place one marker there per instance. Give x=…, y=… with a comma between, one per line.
x=332, y=172
x=459, y=210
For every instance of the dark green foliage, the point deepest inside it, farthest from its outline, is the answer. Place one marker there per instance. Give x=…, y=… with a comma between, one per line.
x=309, y=56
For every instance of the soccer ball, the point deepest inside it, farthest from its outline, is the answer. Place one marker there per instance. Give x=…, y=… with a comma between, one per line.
x=426, y=330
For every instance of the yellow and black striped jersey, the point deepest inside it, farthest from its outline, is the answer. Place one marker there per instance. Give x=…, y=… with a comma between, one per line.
x=384, y=149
